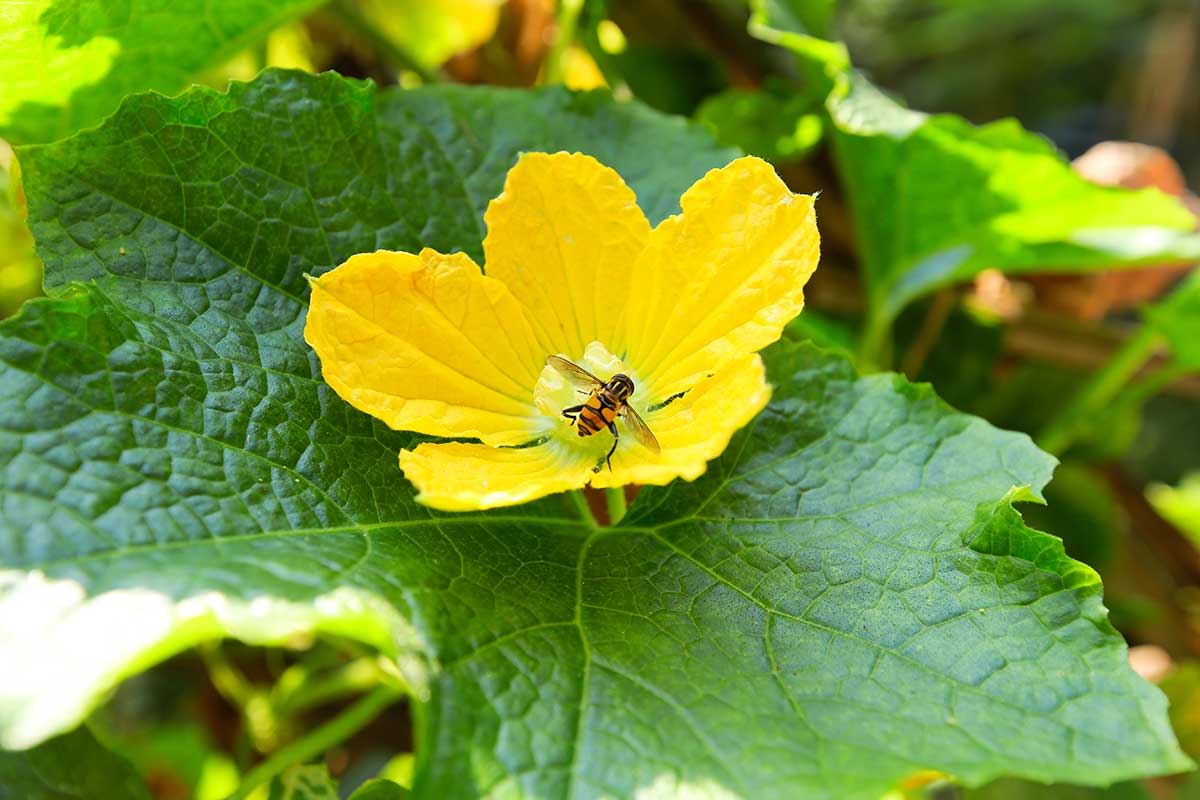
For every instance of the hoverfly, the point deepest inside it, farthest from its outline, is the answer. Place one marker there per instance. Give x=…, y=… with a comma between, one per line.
x=606, y=401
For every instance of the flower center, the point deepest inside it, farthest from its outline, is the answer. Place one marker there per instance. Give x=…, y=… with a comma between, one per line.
x=554, y=390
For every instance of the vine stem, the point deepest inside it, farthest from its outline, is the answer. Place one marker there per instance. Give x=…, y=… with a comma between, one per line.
x=931, y=328
x=874, y=350
x=1103, y=386
x=320, y=739
x=616, y=504
x=1142, y=391
x=581, y=507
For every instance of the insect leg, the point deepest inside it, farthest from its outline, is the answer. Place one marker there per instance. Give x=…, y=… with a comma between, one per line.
x=572, y=413
x=616, y=439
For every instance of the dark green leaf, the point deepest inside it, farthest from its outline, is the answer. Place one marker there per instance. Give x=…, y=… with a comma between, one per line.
x=68, y=63
x=1024, y=790
x=73, y=766
x=670, y=79
x=847, y=596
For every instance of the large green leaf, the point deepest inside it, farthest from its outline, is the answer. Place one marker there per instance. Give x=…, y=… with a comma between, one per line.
x=936, y=200
x=68, y=63
x=846, y=597
x=73, y=766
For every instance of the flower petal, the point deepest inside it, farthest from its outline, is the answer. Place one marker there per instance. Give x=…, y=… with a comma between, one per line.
x=563, y=237
x=721, y=279
x=427, y=343
x=693, y=429
x=461, y=477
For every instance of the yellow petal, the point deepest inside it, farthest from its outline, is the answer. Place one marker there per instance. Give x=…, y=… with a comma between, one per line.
x=563, y=237
x=693, y=429
x=462, y=477
x=427, y=343
x=721, y=279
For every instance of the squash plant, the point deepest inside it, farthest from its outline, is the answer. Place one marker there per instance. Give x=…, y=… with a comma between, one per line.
x=845, y=600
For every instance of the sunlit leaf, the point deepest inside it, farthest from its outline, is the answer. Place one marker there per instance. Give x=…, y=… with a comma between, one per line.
x=937, y=200
x=67, y=64
x=1179, y=505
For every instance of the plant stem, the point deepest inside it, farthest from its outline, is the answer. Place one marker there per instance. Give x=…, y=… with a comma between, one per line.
x=1103, y=386
x=395, y=55
x=581, y=507
x=874, y=349
x=1138, y=393
x=229, y=682
x=320, y=739
x=931, y=328
x=348, y=680
x=555, y=65
x=616, y=504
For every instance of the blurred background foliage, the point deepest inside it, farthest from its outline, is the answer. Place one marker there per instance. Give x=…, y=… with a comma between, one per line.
x=1066, y=358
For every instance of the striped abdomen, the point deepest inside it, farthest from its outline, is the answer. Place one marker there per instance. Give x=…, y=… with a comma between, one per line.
x=598, y=412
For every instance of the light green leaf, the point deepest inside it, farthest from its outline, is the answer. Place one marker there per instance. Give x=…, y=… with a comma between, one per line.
x=847, y=596
x=67, y=64
x=937, y=200
x=73, y=766
x=1179, y=505
x=308, y=782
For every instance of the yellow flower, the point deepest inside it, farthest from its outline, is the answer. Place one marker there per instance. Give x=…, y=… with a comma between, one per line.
x=428, y=343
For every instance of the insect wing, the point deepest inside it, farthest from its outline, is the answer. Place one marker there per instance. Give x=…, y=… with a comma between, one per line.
x=639, y=429
x=576, y=374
